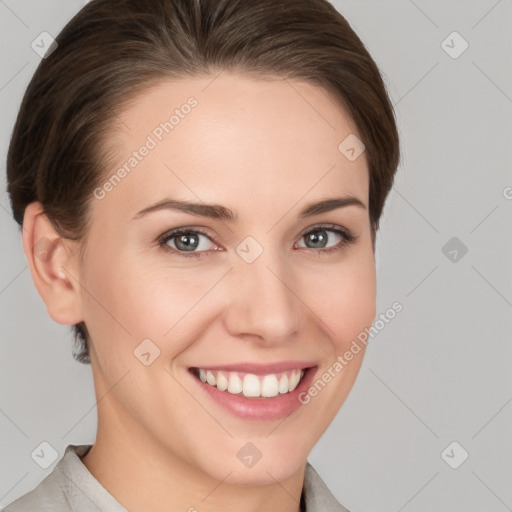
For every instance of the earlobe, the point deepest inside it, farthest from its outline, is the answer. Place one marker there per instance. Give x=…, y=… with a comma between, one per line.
x=53, y=265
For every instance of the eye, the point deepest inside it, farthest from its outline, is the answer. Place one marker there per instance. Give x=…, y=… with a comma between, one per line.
x=185, y=240
x=318, y=238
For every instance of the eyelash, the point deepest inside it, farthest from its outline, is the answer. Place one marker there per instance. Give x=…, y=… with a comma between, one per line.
x=347, y=239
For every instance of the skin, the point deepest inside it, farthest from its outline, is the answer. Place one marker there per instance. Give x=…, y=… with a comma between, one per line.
x=263, y=148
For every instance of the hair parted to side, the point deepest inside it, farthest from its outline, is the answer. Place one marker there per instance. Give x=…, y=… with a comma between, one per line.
x=111, y=50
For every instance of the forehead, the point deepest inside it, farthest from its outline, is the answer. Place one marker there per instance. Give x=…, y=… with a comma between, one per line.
x=235, y=140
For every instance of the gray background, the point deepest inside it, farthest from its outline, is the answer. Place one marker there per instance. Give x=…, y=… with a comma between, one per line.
x=440, y=371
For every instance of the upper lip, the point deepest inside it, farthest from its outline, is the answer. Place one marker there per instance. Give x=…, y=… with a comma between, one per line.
x=261, y=369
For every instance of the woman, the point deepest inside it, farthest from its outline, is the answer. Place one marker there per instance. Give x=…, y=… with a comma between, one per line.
x=200, y=183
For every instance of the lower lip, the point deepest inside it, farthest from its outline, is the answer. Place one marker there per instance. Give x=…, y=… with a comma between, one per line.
x=266, y=409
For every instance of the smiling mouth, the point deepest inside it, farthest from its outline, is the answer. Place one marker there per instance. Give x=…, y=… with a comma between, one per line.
x=251, y=385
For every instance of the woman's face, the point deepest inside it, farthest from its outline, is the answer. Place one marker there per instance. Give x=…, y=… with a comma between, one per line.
x=268, y=286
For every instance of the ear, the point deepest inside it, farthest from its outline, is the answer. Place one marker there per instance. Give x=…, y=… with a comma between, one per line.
x=53, y=263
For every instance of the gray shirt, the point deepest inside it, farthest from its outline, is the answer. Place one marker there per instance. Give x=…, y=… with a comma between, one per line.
x=71, y=487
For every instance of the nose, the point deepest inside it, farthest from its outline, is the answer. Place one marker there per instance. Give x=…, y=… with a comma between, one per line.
x=263, y=300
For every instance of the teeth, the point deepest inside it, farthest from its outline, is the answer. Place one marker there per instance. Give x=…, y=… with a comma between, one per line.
x=250, y=385
x=222, y=382
x=283, y=384
x=270, y=386
x=210, y=378
x=294, y=381
x=234, y=384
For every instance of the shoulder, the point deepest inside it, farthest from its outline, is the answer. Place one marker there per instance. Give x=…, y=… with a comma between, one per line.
x=67, y=488
x=48, y=495
x=45, y=497
x=317, y=496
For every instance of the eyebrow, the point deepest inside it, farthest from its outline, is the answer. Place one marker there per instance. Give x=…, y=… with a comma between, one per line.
x=216, y=211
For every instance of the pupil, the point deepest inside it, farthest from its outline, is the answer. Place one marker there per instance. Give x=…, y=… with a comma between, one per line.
x=185, y=240
x=317, y=238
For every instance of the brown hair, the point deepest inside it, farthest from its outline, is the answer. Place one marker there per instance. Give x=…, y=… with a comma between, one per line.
x=113, y=49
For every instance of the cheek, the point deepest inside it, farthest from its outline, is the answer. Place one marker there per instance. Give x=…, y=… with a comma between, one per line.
x=344, y=297
x=128, y=298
